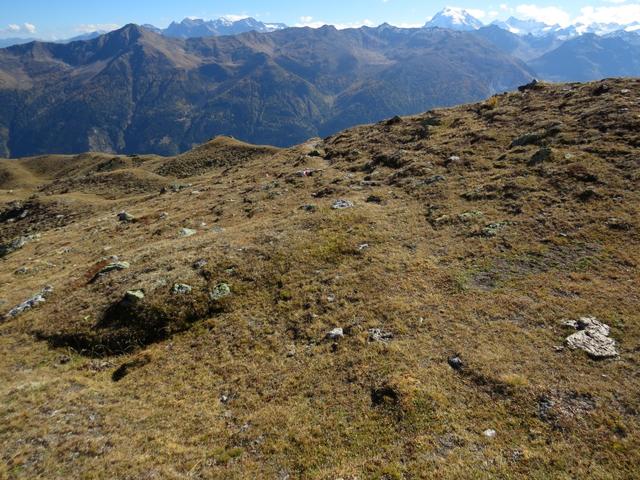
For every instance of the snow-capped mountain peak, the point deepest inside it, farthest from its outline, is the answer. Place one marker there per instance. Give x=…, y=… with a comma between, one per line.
x=231, y=25
x=526, y=27
x=454, y=19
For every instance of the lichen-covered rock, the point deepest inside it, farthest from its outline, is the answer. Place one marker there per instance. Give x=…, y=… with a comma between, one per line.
x=379, y=335
x=30, y=303
x=342, y=204
x=16, y=244
x=181, y=289
x=125, y=217
x=593, y=338
x=219, y=292
x=335, y=334
x=133, y=296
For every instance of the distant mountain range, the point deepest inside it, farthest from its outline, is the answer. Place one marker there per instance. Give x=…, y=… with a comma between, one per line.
x=192, y=28
x=187, y=28
x=591, y=56
x=143, y=89
x=8, y=42
x=460, y=19
x=572, y=53
x=133, y=90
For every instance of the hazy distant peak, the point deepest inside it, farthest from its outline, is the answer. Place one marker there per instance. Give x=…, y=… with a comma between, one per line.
x=455, y=19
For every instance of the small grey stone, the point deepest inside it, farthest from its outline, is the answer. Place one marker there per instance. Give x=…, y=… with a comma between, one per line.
x=115, y=266
x=125, y=217
x=542, y=155
x=456, y=363
x=219, y=292
x=198, y=264
x=379, y=335
x=22, y=271
x=187, y=232
x=133, y=296
x=30, y=303
x=335, y=334
x=468, y=216
x=490, y=433
x=434, y=179
x=342, y=204
x=181, y=289
x=493, y=229
x=16, y=244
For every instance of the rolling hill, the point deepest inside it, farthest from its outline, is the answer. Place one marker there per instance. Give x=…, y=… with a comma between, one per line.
x=400, y=300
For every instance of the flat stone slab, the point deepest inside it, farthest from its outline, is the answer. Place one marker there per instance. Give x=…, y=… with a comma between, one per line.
x=593, y=338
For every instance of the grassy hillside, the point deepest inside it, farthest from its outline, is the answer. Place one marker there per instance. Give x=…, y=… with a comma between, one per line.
x=471, y=235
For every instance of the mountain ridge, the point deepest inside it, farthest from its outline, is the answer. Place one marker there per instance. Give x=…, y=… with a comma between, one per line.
x=307, y=83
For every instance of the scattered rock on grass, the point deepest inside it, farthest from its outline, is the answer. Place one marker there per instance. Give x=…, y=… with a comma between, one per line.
x=593, y=338
x=133, y=296
x=490, y=433
x=16, y=244
x=125, y=217
x=493, y=229
x=342, y=204
x=30, y=303
x=111, y=267
x=181, y=289
x=199, y=264
x=529, y=86
x=434, y=179
x=542, y=155
x=455, y=362
x=379, y=335
x=618, y=224
x=335, y=334
x=307, y=172
x=187, y=232
x=469, y=216
x=219, y=292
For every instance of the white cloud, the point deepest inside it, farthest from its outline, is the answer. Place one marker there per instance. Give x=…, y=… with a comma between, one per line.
x=96, y=27
x=623, y=14
x=15, y=29
x=476, y=12
x=549, y=15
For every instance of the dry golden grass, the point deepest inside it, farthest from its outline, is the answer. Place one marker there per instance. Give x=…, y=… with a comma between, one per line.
x=254, y=390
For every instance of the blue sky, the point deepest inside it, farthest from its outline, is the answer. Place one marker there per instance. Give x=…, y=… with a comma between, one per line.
x=64, y=18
